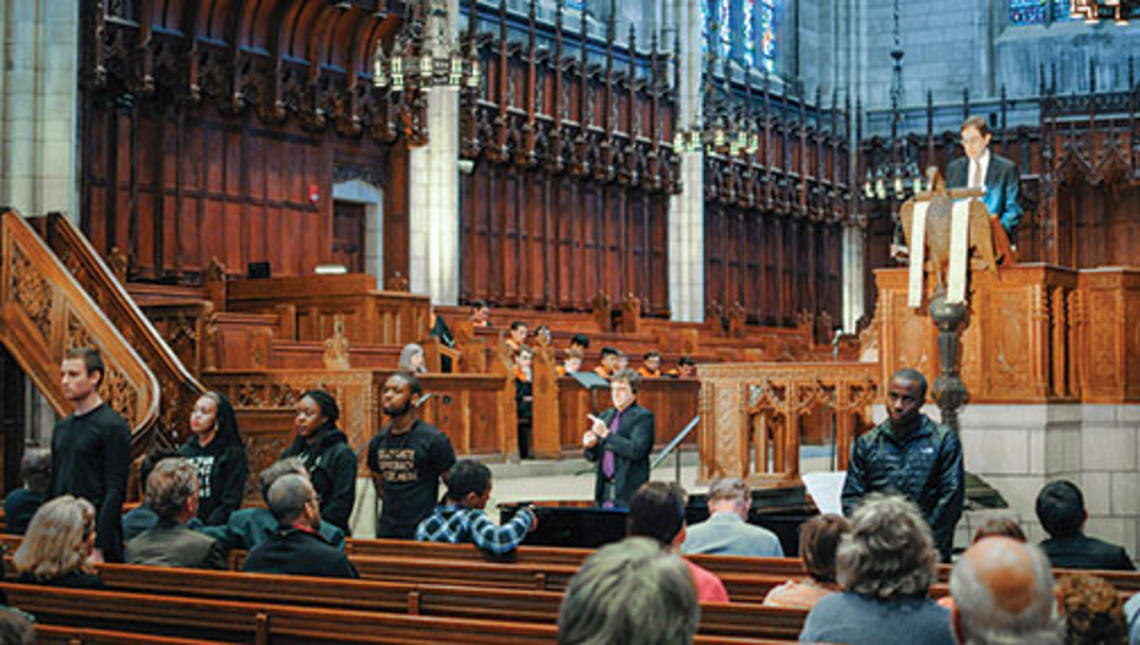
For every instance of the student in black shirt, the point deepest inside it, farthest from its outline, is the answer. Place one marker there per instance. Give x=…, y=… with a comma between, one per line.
x=324, y=449
x=91, y=451
x=219, y=456
x=407, y=459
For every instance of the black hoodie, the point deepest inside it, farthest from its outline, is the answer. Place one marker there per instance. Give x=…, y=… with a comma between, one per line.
x=332, y=468
x=222, y=474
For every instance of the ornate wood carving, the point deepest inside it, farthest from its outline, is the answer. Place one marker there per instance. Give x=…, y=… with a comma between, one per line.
x=45, y=311
x=756, y=409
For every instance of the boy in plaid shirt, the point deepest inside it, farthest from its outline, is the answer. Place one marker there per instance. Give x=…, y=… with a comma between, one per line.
x=460, y=518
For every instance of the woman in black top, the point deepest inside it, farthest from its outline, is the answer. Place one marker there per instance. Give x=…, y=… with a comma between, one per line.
x=324, y=449
x=217, y=452
x=57, y=547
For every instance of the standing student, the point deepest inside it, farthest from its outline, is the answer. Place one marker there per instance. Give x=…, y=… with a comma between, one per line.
x=324, y=450
x=524, y=399
x=407, y=458
x=217, y=453
x=91, y=450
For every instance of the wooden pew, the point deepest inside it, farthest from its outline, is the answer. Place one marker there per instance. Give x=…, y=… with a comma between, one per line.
x=732, y=619
x=259, y=621
x=63, y=635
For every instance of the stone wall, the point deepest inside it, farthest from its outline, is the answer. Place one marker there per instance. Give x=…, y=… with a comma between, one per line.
x=39, y=99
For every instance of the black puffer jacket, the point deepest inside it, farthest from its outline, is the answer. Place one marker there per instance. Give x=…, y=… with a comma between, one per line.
x=926, y=467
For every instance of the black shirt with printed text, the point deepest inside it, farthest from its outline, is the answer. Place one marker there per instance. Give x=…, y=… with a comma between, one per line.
x=410, y=465
x=222, y=474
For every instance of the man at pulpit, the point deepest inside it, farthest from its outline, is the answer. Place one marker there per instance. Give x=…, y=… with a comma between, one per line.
x=981, y=168
x=909, y=454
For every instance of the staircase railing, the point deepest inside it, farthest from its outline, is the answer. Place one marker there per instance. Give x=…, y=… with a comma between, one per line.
x=179, y=388
x=45, y=311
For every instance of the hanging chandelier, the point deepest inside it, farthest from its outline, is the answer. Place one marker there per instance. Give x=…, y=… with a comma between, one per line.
x=400, y=68
x=1093, y=11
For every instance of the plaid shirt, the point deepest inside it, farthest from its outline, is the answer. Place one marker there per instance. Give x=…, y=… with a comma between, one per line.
x=454, y=523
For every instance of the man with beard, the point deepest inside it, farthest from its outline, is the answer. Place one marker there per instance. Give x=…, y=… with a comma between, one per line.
x=407, y=459
x=91, y=450
x=910, y=455
x=619, y=441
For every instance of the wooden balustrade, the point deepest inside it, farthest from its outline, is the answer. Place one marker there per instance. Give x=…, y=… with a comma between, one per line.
x=47, y=309
x=752, y=414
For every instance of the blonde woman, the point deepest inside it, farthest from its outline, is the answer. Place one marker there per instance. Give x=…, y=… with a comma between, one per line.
x=58, y=544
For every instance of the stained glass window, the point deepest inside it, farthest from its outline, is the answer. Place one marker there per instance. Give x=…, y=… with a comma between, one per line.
x=724, y=27
x=747, y=33
x=1035, y=12
x=767, y=29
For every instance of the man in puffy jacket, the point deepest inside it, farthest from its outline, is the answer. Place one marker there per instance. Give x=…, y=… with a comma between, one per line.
x=911, y=455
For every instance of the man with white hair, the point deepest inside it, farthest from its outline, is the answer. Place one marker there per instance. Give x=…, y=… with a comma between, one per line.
x=727, y=531
x=1003, y=593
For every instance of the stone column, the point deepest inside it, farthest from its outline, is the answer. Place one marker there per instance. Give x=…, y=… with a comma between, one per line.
x=434, y=177
x=854, y=303
x=39, y=98
x=686, y=210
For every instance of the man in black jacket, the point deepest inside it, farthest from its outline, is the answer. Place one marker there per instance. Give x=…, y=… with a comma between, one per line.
x=910, y=455
x=1061, y=510
x=297, y=547
x=620, y=440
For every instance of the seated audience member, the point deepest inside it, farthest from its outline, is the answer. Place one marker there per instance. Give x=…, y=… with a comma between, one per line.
x=480, y=314
x=885, y=566
x=1061, y=510
x=297, y=547
x=819, y=540
x=543, y=337
x=440, y=330
x=328, y=458
x=516, y=336
x=524, y=398
x=1003, y=593
x=657, y=511
x=412, y=359
x=571, y=364
x=727, y=531
x=651, y=368
x=16, y=627
x=142, y=517
x=686, y=368
x=250, y=527
x=1094, y=613
x=993, y=527
x=609, y=362
x=21, y=504
x=461, y=518
x=217, y=452
x=1132, y=615
x=629, y=593
x=580, y=342
x=57, y=546
x=172, y=493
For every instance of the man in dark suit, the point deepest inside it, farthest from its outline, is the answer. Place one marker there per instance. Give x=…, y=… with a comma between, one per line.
x=1061, y=510
x=980, y=168
x=620, y=440
x=172, y=493
x=297, y=547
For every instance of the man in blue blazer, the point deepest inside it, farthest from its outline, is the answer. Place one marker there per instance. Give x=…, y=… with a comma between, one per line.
x=619, y=441
x=981, y=168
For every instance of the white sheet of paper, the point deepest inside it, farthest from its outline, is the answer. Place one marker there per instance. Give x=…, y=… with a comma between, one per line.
x=917, y=255
x=959, y=251
x=825, y=490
